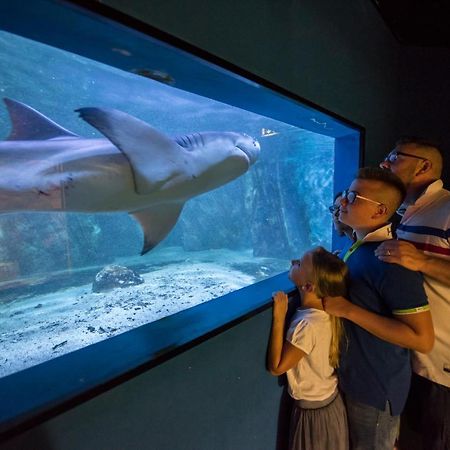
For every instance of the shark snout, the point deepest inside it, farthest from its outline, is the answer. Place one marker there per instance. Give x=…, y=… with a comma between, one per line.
x=250, y=147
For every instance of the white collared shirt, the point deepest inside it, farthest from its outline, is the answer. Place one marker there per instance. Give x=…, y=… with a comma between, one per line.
x=426, y=224
x=381, y=234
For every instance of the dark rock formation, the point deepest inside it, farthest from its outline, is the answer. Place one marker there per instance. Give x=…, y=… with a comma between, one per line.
x=114, y=276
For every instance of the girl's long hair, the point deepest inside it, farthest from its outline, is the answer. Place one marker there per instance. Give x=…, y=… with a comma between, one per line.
x=330, y=278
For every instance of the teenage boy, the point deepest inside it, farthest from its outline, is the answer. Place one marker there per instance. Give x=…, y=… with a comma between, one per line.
x=387, y=313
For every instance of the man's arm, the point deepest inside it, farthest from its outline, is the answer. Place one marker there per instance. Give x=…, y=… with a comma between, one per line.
x=413, y=331
x=406, y=255
x=282, y=355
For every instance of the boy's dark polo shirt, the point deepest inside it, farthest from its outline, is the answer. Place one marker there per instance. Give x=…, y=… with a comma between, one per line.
x=373, y=371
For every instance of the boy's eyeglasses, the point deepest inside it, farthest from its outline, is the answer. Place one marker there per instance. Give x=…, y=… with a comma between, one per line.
x=393, y=156
x=351, y=196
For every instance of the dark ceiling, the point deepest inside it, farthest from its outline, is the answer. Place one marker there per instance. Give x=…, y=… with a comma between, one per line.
x=417, y=22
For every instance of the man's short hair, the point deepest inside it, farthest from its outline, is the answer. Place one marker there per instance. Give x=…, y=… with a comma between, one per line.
x=419, y=141
x=384, y=176
x=431, y=151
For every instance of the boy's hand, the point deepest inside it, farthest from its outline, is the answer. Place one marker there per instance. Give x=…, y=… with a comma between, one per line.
x=336, y=306
x=280, y=304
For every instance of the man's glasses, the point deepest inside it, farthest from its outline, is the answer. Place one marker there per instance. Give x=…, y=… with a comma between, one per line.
x=351, y=196
x=393, y=156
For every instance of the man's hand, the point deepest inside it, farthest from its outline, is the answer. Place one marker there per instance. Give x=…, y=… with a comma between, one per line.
x=402, y=253
x=337, y=306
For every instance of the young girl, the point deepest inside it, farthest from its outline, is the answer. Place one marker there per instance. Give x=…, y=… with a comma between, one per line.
x=311, y=352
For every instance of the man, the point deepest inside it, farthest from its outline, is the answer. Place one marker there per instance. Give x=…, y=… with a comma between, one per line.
x=387, y=314
x=424, y=246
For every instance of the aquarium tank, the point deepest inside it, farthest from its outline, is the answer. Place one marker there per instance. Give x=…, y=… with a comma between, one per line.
x=139, y=180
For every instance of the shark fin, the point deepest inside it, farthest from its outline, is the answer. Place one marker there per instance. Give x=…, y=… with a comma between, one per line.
x=29, y=124
x=156, y=223
x=154, y=157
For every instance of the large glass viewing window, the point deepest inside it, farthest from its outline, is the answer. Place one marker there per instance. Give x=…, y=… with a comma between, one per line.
x=149, y=196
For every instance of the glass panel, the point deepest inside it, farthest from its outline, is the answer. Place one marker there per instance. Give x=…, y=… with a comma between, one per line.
x=155, y=168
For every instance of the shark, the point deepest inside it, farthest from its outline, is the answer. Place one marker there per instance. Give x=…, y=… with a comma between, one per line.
x=134, y=168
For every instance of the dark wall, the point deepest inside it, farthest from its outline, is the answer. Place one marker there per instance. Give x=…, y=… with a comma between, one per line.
x=218, y=395
x=339, y=55
x=425, y=97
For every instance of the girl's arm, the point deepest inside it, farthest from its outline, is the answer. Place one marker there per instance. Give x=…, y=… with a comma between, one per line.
x=282, y=355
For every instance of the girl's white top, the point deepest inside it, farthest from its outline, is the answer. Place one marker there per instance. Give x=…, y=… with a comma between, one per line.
x=313, y=378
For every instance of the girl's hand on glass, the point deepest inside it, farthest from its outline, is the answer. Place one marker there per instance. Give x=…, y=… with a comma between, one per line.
x=280, y=304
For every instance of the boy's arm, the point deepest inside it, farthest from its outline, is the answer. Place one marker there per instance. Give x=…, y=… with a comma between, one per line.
x=282, y=355
x=414, y=331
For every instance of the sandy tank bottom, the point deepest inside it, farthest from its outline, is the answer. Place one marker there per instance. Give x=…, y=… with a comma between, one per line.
x=39, y=328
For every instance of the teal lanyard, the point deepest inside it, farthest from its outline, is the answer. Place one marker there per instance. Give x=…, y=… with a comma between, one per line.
x=352, y=249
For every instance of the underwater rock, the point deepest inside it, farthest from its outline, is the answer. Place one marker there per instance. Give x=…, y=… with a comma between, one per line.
x=157, y=75
x=115, y=276
x=9, y=270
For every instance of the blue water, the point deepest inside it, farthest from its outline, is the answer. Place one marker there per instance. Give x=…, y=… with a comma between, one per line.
x=226, y=239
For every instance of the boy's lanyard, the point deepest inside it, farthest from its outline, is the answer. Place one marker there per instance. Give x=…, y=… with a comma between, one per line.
x=353, y=249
